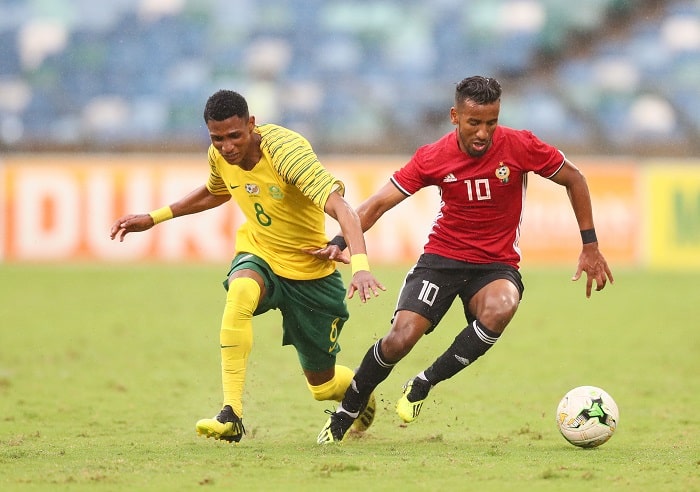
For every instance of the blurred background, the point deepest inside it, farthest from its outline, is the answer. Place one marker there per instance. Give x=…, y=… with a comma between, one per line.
x=101, y=113
x=590, y=76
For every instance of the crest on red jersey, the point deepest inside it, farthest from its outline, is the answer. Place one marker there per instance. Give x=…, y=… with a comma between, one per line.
x=503, y=172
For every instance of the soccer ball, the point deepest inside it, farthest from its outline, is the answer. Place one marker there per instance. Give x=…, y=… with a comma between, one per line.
x=587, y=416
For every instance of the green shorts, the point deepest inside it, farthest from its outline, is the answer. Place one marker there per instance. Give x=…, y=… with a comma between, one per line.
x=313, y=311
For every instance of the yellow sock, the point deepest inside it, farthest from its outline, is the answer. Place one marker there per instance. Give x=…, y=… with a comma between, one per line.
x=335, y=388
x=236, y=337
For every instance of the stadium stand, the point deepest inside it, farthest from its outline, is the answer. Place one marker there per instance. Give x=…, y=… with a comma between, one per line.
x=614, y=76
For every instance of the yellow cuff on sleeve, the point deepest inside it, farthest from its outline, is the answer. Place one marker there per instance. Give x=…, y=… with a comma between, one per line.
x=359, y=262
x=161, y=215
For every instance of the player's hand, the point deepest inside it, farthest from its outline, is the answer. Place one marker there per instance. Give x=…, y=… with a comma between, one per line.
x=592, y=262
x=130, y=223
x=329, y=252
x=366, y=286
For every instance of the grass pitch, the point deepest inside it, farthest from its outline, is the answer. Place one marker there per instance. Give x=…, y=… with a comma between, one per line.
x=105, y=369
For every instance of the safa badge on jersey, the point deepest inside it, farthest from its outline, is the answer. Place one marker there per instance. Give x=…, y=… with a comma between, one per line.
x=252, y=189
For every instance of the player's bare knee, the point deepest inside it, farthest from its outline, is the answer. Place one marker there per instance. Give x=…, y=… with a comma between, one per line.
x=497, y=311
x=397, y=344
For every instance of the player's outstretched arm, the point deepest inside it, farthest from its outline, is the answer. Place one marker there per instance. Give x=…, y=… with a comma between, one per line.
x=362, y=282
x=369, y=212
x=591, y=260
x=196, y=201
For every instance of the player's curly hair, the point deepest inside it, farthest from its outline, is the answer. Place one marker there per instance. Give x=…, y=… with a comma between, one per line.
x=224, y=104
x=481, y=90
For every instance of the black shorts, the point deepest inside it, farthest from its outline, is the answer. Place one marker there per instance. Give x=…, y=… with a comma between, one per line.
x=434, y=282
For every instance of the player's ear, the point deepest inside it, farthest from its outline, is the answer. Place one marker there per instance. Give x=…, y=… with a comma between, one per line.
x=251, y=123
x=453, y=116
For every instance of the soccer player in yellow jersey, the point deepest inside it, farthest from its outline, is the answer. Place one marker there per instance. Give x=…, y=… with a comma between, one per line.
x=283, y=190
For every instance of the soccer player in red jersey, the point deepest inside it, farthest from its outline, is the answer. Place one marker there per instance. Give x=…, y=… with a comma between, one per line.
x=472, y=250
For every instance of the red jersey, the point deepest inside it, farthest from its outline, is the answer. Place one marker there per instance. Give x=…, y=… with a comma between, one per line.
x=481, y=197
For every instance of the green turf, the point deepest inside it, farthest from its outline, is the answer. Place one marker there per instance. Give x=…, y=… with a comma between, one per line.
x=105, y=370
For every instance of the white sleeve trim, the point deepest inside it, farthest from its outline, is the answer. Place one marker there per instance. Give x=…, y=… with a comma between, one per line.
x=560, y=165
x=401, y=188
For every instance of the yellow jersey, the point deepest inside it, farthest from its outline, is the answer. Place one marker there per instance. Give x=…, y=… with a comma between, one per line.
x=283, y=199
